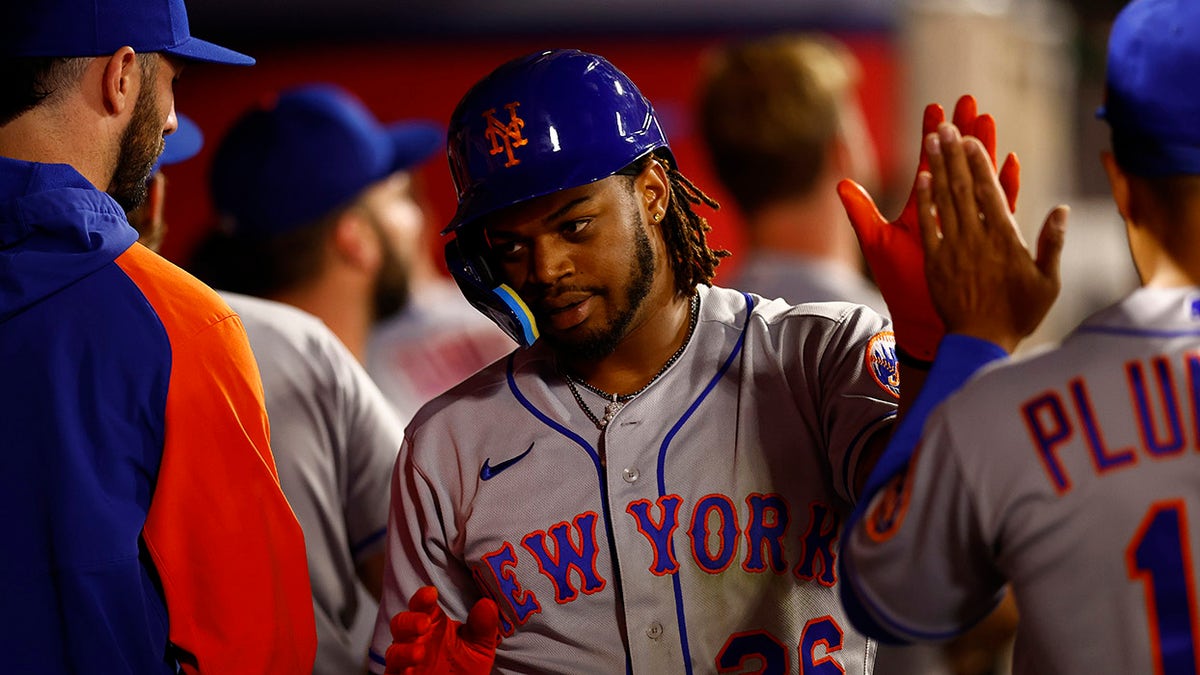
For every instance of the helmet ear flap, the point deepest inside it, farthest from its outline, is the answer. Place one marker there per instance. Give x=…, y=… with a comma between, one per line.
x=467, y=261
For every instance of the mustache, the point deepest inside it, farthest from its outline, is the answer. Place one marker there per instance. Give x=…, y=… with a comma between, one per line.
x=554, y=297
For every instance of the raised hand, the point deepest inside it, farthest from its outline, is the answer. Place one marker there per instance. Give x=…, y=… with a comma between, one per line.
x=426, y=642
x=981, y=277
x=893, y=249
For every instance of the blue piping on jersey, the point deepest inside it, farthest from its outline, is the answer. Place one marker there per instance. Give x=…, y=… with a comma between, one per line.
x=1139, y=332
x=662, y=460
x=608, y=528
x=376, y=658
x=367, y=541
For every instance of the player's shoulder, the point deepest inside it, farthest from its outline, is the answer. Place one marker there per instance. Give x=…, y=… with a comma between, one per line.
x=277, y=322
x=774, y=310
x=1002, y=384
x=288, y=341
x=184, y=304
x=1144, y=322
x=777, y=315
x=480, y=398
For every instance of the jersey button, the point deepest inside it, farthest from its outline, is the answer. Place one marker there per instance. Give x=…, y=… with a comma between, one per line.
x=654, y=631
x=631, y=475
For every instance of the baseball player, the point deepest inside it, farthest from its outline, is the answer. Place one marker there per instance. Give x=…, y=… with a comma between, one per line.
x=335, y=440
x=656, y=482
x=1073, y=474
x=144, y=527
x=781, y=122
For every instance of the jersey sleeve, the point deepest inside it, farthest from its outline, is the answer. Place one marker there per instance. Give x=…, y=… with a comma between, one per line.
x=852, y=375
x=375, y=433
x=917, y=565
x=420, y=549
x=225, y=543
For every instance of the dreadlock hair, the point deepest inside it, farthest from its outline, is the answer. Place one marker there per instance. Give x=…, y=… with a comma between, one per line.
x=684, y=231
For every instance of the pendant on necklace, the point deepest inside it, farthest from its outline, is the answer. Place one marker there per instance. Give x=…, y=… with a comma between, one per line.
x=611, y=409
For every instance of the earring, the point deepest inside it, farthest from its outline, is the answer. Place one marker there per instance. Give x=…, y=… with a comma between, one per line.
x=657, y=217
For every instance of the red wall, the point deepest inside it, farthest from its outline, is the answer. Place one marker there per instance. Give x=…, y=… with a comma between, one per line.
x=427, y=79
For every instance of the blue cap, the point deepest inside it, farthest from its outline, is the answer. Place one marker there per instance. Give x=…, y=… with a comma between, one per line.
x=1152, y=101
x=183, y=144
x=66, y=28
x=311, y=151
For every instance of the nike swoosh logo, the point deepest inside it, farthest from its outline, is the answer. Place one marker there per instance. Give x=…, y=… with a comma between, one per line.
x=488, y=472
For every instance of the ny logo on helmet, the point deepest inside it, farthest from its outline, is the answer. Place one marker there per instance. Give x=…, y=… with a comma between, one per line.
x=510, y=133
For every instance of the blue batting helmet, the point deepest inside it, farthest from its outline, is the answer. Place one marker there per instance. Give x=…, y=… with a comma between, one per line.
x=545, y=122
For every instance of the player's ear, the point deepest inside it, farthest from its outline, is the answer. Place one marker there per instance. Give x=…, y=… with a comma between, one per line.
x=654, y=187
x=120, y=80
x=1118, y=183
x=354, y=242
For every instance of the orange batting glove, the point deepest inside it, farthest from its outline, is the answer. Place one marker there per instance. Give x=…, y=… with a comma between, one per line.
x=893, y=250
x=426, y=642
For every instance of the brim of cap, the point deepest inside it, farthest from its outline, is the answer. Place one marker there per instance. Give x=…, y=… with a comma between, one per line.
x=195, y=49
x=183, y=144
x=414, y=142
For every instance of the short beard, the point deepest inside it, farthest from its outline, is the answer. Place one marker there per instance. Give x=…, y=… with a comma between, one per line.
x=641, y=277
x=391, y=292
x=141, y=144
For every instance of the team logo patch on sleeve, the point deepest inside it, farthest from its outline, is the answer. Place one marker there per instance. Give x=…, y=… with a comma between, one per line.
x=887, y=511
x=881, y=362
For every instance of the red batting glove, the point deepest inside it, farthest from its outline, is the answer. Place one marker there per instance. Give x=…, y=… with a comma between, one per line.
x=894, y=250
x=427, y=642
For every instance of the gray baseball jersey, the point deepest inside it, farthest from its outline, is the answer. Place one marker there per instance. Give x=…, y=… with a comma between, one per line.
x=796, y=278
x=695, y=534
x=1074, y=474
x=335, y=441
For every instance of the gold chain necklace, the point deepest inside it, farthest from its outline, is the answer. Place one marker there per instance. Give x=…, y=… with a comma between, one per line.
x=618, y=401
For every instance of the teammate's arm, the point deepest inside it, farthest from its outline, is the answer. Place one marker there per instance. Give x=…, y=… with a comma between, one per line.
x=991, y=294
x=236, y=587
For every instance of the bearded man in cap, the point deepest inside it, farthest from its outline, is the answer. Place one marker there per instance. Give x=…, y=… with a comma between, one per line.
x=145, y=526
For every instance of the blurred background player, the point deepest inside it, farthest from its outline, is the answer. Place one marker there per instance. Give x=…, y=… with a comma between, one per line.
x=1072, y=473
x=335, y=440
x=334, y=437
x=315, y=201
x=144, y=525
x=780, y=119
x=435, y=342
